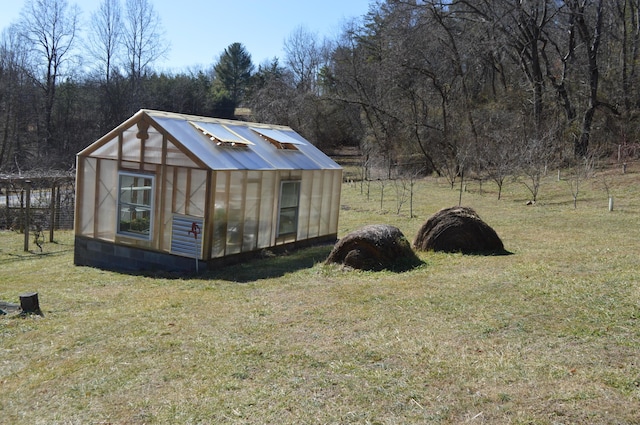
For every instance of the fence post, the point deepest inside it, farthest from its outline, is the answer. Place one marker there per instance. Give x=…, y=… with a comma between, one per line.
x=27, y=213
x=7, y=216
x=52, y=221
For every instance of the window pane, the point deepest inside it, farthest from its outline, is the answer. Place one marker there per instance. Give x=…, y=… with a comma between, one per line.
x=287, y=221
x=289, y=195
x=135, y=204
x=134, y=220
x=135, y=190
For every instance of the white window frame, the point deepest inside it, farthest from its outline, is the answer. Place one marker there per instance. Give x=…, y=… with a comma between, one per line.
x=143, y=206
x=281, y=208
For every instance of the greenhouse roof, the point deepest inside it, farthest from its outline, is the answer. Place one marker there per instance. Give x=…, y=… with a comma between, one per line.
x=220, y=144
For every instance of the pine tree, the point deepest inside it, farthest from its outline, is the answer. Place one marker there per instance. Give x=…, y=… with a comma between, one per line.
x=233, y=74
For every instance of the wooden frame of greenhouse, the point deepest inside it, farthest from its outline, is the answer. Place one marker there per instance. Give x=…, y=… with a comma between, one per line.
x=162, y=189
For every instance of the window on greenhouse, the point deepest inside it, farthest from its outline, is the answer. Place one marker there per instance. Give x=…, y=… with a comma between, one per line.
x=289, y=201
x=135, y=204
x=278, y=139
x=220, y=135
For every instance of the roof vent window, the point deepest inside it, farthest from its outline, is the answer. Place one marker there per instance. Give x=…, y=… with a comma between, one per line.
x=220, y=135
x=278, y=139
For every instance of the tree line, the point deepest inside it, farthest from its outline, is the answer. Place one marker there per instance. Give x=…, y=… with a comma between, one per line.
x=493, y=87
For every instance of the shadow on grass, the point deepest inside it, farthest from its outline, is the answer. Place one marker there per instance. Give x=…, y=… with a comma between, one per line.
x=498, y=253
x=30, y=255
x=269, y=267
x=266, y=267
x=272, y=266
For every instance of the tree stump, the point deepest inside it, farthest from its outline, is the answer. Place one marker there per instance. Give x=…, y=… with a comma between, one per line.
x=29, y=303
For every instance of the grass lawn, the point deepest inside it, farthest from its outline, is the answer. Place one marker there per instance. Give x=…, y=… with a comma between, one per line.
x=547, y=335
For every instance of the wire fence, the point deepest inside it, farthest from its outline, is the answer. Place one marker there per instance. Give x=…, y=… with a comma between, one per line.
x=45, y=204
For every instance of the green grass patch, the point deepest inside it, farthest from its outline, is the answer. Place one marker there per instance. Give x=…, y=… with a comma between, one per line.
x=550, y=334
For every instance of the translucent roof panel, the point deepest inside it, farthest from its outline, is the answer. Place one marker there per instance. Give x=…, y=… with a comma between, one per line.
x=215, y=157
x=323, y=161
x=194, y=135
x=244, y=159
x=279, y=158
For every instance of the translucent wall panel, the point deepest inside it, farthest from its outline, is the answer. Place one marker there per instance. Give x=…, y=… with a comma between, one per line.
x=235, y=217
x=304, y=211
x=335, y=200
x=106, y=198
x=251, y=211
x=130, y=165
x=130, y=146
x=180, y=191
x=325, y=210
x=197, y=192
x=220, y=205
x=177, y=158
x=165, y=209
x=86, y=196
x=109, y=150
x=266, y=235
x=153, y=147
x=150, y=168
x=316, y=204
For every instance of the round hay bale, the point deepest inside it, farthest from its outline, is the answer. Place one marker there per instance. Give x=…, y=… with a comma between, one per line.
x=374, y=247
x=458, y=229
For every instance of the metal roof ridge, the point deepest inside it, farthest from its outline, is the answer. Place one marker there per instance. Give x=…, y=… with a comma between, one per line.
x=189, y=117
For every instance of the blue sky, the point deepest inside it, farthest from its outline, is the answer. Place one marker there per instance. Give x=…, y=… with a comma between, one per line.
x=200, y=30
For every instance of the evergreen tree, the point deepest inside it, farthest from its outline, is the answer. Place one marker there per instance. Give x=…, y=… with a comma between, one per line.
x=233, y=74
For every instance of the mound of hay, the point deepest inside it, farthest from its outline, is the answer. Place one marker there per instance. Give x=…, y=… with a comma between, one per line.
x=458, y=229
x=374, y=247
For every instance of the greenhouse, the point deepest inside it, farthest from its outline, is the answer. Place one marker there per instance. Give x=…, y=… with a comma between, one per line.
x=167, y=191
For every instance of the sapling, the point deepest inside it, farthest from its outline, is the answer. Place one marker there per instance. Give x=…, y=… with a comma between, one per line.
x=581, y=173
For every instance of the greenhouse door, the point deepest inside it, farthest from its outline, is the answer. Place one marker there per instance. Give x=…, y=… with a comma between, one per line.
x=288, y=214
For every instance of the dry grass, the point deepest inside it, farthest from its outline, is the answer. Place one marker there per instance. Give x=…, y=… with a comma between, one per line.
x=548, y=335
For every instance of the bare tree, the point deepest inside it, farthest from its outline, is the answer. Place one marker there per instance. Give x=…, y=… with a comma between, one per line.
x=305, y=55
x=143, y=39
x=628, y=14
x=16, y=91
x=522, y=27
x=402, y=189
x=582, y=170
x=405, y=179
x=104, y=39
x=271, y=94
x=591, y=37
x=366, y=75
x=497, y=156
x=49, y=27
x=106, y=49
x=497, y=160
x=536, y=155
x=464, y=160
